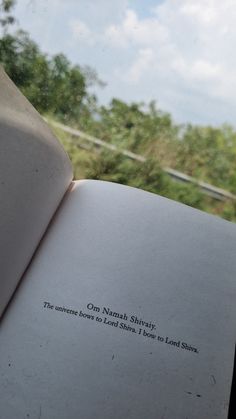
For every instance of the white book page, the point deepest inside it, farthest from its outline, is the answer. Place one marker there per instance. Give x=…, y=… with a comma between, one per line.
x=35, y=173
x=127, y=311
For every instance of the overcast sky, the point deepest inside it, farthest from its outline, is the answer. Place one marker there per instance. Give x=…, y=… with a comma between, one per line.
x=181, y=53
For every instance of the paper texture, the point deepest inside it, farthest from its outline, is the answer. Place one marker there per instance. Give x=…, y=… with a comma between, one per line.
x=35, y=173
x=127, y=311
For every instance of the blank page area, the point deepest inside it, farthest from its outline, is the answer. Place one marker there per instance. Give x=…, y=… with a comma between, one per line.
x=127, y=311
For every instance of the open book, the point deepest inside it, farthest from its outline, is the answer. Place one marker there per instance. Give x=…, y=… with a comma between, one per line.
x=115, y=303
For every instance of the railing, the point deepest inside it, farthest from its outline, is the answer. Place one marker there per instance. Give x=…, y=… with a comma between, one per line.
x=206, y=188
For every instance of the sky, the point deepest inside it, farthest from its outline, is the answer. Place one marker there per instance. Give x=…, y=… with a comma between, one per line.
x=180, y=53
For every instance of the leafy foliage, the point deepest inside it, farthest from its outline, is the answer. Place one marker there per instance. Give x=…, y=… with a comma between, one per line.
x=89, y=162
x=148, y=176
x=53, y=85
x=5, y=13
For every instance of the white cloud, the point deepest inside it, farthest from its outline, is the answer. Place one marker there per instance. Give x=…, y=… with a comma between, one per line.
x=135, y=31
x=81, y=31
x=191, y=43
x=140, y=66
x=199, y=70
x=182, y=52
x=204, y=11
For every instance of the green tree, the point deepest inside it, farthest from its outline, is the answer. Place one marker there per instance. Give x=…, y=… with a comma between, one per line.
x=52, y=84
x=209, y=154
x=6, y=17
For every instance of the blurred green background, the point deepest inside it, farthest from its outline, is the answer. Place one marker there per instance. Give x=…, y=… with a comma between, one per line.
x=62, y=92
